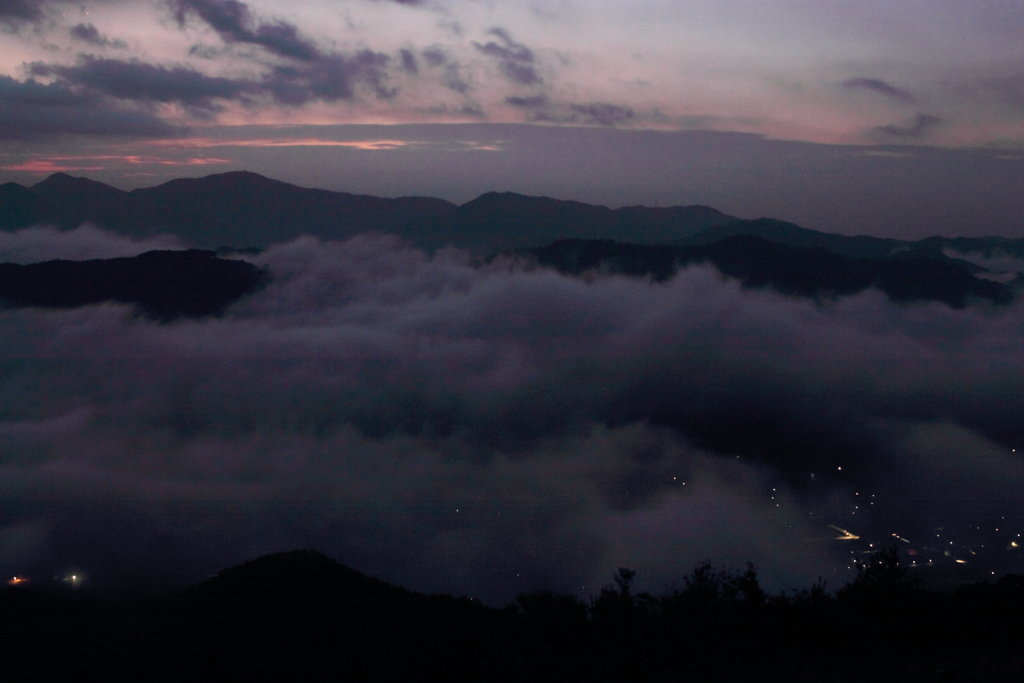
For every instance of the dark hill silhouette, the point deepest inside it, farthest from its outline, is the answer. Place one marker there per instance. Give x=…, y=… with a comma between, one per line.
x=60, y=200
x=299, y=574
x=17, y=206
x=989, y=247
x=71, y=191
x=757, y=263
x=243, y=209
x=163, y=284
x=929, y=251
x=239, y=209
x=289, y=616
x=862, y=246
x=793, y=235
x=302, y=616
x=498, y=221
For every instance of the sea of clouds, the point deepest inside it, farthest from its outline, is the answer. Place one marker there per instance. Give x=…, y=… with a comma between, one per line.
x=491, y=429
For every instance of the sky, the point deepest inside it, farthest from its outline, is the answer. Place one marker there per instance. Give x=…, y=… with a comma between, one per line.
x=488, y=429
x=866, y=117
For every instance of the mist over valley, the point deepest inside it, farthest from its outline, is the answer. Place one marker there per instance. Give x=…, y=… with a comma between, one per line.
x=530, y=420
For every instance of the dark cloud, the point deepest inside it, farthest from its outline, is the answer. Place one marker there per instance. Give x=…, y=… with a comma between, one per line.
x=31, y=109
x=141, y=82
x=452, y=77
x=88, y=33
x=330, y=78
x=231, y=19
x=13, y=12
x=409, y=62
x=205, y=51
x=918, y=129
x=235, y=23
x=435, y=56
x=498, y=429
x=602, y=114
x=879, y=86
x=312, y=74
x=453, y=80
x=515, y=59
x=527, y=102
x=283, y=39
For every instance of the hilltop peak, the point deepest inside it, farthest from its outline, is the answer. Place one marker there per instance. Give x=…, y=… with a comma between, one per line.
x=515, y=199
x=305, y=572
x=240, y=176
x=62, y=183
x=231, y=180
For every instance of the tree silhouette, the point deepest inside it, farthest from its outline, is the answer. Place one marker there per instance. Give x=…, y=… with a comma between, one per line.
x=881, y=578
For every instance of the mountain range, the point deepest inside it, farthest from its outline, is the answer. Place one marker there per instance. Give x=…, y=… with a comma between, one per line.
x=811, y=272
x=246, y=211
x=239, y=209
x=243, y=209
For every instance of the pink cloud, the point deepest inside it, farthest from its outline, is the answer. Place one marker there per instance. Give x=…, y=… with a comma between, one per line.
x=46, y=166
x=61, y=164
x=289, y=142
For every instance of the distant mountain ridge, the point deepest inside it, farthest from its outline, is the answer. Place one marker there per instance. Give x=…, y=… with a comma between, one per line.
x=497, y=221
x=239, y=209
x=861, y=246
x=243, y=209
x=812, y=272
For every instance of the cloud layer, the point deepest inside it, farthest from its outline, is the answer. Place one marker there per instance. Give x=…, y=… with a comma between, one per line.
x=762, y=67
x=492, y=430
x=81, y=244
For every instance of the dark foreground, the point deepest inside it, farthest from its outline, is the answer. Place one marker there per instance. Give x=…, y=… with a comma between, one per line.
x=302, y=617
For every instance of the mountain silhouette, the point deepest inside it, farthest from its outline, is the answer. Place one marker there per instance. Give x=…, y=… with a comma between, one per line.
x=302, y=616
x=298, y=574
x=165, y=285
x=989, y=247
x=498, y=221
x=812, y=272
x=293, y=615
x=793, y=235
x=246, y=209
x=302, y=613
x=239, y=209
x=242, y=210
x=862, y=246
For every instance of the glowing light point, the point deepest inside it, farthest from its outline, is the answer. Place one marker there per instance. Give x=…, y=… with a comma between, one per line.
x=846, y=535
